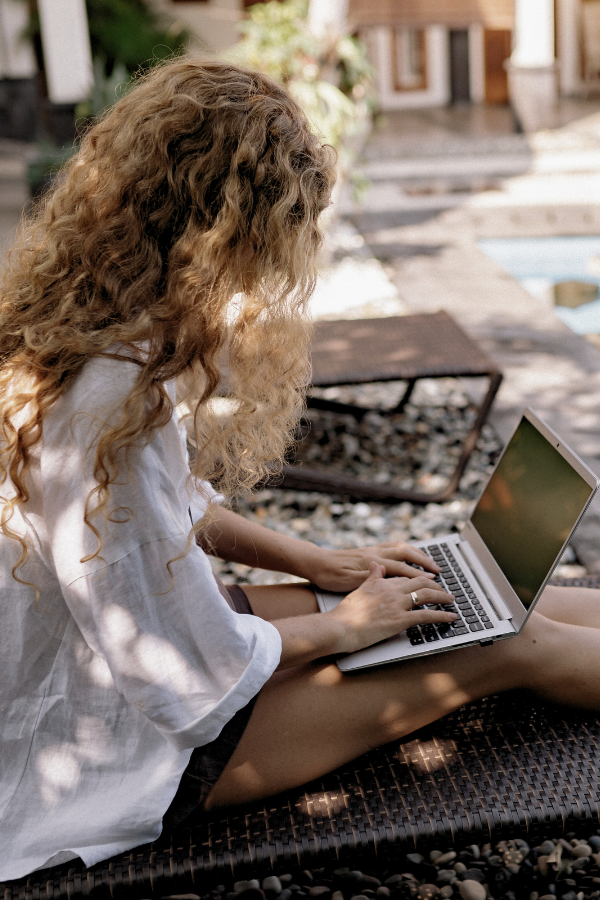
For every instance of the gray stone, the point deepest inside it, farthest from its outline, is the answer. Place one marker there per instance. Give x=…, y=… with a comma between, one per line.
x=337, y=895
x=427, y=891
x=446, y=891
x=359, y=897
x=446, y=876
x=542, y=863
x=471, y=890
x=566, y=845
x=513, y=868
x=582, y=850
x=415, y=858
x=547, y=897
x=370, y=879
x=382, y=891
x=272, y=885
x=393, y=880
x=475, y=851
x=475, y=875
x=547, y=847
x=286, y=894
x=286, y=878
x=580, y=863
x=435, y=855
x=240, y=886
x=460, y=868
x=319, y=890
x=446, y=858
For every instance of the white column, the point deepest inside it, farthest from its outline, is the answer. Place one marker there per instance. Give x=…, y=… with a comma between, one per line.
x=327, y=18
x=534, y=33
x=569, y=52
x=67, y=51
x=532, y=69
x=17, y=59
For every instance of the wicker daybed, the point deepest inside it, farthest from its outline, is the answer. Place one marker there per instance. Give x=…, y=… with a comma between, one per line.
x=503, y=767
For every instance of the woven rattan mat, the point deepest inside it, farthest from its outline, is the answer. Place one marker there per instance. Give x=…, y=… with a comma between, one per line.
x=504, y=766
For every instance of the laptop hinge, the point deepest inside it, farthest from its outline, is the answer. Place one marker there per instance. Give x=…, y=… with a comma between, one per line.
x=493, y=597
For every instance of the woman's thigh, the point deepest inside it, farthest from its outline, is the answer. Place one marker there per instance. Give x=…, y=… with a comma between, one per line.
x=573, y=605
x=311, y=719
x=281, y=601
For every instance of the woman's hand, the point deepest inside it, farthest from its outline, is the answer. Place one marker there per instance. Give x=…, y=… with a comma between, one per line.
x=345, y=570
x=381, y=607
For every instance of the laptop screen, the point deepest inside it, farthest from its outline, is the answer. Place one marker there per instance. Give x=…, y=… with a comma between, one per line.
x=528, y=509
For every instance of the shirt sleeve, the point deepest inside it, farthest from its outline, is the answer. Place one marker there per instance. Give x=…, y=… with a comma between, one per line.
x=148, y=602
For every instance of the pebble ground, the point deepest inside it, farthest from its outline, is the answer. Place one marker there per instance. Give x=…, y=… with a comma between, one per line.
x=565, y=868
x=416, y=449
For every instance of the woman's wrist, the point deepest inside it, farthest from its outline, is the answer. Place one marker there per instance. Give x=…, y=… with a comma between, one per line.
x=307, y=560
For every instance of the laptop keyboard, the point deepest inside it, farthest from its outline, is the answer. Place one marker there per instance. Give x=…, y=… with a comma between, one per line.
x=471, y=616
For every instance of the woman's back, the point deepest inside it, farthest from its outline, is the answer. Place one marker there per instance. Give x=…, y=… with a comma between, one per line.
x=111, y=677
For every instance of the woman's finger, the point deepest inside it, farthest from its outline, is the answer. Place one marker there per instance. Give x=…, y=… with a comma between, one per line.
x=419, y=583
x=408, y=553
x=397, y=568
x=423, y=597
x=425, y=616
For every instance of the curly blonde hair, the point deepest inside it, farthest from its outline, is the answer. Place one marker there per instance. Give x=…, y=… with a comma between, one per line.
x=201, y=185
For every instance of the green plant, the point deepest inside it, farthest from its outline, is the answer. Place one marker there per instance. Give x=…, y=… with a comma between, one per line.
x=128, y=33
x=43, y=167
x=330, y=79
x=106, y=89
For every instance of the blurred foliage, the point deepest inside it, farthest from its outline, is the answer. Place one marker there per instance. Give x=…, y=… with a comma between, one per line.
x=330, y=79
x=106, y=89
x=125, y=35
x=129, y=33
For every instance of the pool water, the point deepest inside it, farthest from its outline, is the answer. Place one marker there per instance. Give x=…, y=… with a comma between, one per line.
x=540, y=263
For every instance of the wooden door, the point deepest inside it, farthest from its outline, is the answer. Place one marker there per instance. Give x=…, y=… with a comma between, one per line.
x=497, y=49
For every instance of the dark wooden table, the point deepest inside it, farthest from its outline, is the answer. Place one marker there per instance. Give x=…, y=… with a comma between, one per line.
x=398, y=348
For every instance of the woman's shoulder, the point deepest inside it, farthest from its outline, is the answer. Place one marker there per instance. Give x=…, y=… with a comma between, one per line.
x=96, y=396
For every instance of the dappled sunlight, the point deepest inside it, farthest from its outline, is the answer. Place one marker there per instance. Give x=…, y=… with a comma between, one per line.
x=425, y=757
x=149, y=658
x=59, y=766
x=59, y=770
x=325, y=805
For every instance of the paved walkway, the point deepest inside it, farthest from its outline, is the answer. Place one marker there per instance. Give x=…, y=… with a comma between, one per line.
x=442, y=179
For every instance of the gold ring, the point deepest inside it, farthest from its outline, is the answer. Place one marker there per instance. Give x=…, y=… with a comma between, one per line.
x=414, y=598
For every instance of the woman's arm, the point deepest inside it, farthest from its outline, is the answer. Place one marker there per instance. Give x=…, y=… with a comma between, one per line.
x=234, y=538
x=378, y=609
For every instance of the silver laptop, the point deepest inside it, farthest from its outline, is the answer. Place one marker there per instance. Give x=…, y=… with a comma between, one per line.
x=499, y=564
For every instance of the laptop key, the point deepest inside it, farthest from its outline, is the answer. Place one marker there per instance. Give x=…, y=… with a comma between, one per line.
x=461, y=629
x=475, y=626
x=432, y=637
x=488, y=625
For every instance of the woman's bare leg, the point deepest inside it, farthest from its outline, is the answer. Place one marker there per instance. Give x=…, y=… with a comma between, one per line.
x=572, y=605
x=309, y=720
x=281, y=601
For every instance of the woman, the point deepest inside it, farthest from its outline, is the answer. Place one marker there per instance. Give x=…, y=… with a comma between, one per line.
x=180, y=244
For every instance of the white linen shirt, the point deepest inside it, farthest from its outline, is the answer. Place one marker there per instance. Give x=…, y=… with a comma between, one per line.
x=111, y=679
